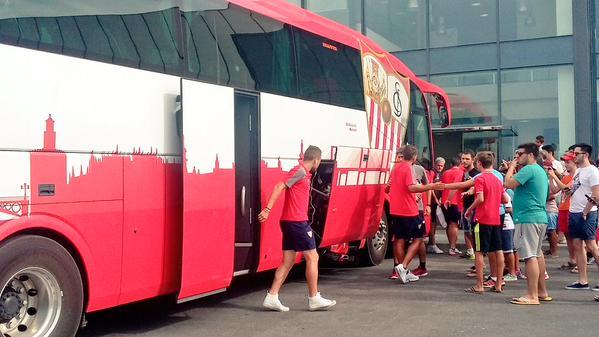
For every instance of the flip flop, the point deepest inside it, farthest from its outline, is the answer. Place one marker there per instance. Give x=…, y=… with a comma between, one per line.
x=495, y=290
x=523, y=301
x=545, y=299
x=473, y=290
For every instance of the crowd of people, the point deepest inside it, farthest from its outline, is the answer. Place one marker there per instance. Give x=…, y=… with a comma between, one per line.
x=506, y=210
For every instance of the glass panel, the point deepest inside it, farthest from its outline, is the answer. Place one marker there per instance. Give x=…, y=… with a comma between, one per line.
x=529, y=19
x=235, y=47
x=538, y=101
x=298, y=3
x=481, y=141
x=418, y=131
x=396, y=25
x=347, y=12
x=328, y=72
x=459, y=22
x=473, y=97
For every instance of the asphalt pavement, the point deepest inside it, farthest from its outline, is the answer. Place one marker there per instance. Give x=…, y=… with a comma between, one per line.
x=368, y=304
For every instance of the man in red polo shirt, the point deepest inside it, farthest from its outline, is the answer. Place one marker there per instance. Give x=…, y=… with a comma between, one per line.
x=297, y=233
x=404, y=212
x=450, y=203
x=487, y=229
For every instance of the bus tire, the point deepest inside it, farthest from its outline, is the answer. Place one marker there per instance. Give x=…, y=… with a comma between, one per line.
x=41, y=289
x=376, y=246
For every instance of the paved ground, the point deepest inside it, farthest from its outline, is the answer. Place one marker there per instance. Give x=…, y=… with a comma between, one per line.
x=368, y=304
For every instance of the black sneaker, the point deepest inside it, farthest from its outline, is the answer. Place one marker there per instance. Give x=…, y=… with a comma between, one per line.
x=595, y=288
x=578, y=286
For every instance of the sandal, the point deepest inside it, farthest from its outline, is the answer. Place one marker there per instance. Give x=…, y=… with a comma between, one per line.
x=523, y=301
x=495, y=290
x=545, y=299
x=568, y=266
x=473, y=290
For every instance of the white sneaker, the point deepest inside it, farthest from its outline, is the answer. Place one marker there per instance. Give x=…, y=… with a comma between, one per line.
x=411, y=277
x=272, y=302
x=454, y=251
x=318, y=303
x=403, y=273
x=437, y=250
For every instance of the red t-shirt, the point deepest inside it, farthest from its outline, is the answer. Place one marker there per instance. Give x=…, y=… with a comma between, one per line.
x=297, y=194
x=402, y=202
x=487, y=213
x=453, y=175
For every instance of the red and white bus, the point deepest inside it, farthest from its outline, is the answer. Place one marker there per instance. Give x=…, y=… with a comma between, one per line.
x=139, y=139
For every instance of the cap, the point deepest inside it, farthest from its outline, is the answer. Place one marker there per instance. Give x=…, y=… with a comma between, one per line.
x=569, y=156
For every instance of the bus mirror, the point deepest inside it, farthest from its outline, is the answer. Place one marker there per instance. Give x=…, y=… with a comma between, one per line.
x=442, y=110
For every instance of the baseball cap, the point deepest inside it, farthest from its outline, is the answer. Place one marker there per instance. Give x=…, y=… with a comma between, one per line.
x=569, y=156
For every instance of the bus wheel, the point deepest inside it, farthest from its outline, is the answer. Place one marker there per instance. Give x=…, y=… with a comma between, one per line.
x=376, y=246
x=42, y=292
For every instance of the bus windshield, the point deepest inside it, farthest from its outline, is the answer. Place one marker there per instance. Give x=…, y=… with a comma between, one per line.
x=418, y=131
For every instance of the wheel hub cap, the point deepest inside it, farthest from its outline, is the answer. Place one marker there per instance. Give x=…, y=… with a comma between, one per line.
x=10, y=305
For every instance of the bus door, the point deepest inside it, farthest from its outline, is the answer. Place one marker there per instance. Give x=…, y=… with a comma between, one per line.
x=356, y=194
x=209, y=188
x=247, y=184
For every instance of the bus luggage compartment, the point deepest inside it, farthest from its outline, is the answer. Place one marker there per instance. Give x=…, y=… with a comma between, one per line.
x=348, y=194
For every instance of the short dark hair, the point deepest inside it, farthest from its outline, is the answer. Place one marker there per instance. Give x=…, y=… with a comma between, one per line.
x=409, y=152
x=572, y=147
x=586, y=148
x=549, y=148
x=455, y=161
x=485, y=158
x=312, y=152
x=426, y=163
x=470, y=152
x=530, y=148
x=540, y=138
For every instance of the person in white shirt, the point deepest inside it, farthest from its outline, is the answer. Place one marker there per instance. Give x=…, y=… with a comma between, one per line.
x=583, y=213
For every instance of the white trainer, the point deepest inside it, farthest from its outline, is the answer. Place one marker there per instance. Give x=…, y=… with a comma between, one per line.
x=272, y=302
x=319, y=303
x=411, y=277
x=403, y=273
x=437, y=250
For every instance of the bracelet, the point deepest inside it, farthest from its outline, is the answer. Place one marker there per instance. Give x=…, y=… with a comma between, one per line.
x=267, y=209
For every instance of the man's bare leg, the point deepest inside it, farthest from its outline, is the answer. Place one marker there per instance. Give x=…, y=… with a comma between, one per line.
x=289, y=258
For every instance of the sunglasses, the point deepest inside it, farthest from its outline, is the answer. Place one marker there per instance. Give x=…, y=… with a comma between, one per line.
x=577, y=153
x=519, y=153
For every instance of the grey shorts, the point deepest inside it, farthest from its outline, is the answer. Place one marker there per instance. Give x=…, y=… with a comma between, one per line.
x=528, y=239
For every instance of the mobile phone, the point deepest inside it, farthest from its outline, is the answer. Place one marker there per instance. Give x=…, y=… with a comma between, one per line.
x=590, y=199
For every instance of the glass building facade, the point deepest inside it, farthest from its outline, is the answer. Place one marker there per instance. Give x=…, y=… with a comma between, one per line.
x=513, y=69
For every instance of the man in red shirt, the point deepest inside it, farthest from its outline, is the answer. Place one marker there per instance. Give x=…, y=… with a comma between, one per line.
x=450, y=200
x=487, y=229
x=404, y=212
x=297, y=233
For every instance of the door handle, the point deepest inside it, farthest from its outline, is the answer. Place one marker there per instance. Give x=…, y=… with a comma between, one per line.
x=243, y=201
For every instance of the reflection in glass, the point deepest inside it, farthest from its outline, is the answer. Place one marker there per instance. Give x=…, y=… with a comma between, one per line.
x=347, y=12
x=459, y=22
x=396, y=25
x=539, y=101
x=528, y=19
x=473, y=97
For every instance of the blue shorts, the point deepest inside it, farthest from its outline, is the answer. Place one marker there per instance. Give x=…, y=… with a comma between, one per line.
x=552, y=224
x=578, y=228
x=507, y=240
x=297, y=236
